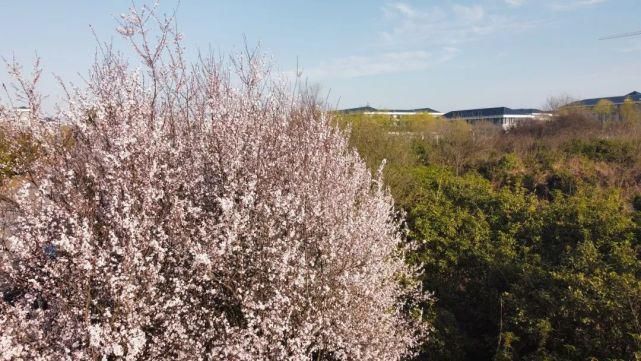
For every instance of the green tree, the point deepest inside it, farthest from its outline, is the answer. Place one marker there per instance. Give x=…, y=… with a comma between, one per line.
x=522, y=278
x=630, y=113
x=468, y=232
x=604, y=110
x=530, y=240
x=579, y=294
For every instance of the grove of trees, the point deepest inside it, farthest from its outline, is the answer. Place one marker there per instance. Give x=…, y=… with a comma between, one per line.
x=530, y=240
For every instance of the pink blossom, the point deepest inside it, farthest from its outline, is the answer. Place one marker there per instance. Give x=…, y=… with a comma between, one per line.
x=200, y=212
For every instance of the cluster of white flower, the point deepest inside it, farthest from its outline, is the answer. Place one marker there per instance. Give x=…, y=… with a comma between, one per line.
x=185, y=213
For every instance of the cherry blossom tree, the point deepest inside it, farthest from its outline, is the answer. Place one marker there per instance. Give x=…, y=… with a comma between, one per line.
x=198, y=211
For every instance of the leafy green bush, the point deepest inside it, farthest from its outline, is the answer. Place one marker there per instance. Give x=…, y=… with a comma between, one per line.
x=527, y=239
x=603, y=150
x=517, y=277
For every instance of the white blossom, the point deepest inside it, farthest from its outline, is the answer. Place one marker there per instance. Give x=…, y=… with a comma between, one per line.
x=200, y=212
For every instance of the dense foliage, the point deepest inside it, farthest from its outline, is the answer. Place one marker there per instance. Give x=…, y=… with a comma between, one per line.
x=203, y=212
x=193, y=212
x=17, y=152
x=530, y=240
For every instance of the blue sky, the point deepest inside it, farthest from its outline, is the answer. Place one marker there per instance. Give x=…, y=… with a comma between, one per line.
x=443, y=54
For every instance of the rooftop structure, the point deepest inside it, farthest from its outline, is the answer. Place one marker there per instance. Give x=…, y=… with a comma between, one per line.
x=502, y=116
x=367, y=110
x=635, y=97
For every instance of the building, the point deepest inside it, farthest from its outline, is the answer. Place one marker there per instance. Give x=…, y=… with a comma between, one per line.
x=396, y=113
x=502, y=116
x=634, y=97
x=23, y=116
x=20, y=116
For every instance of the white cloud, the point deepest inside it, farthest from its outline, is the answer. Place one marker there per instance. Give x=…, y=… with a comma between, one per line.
x=418, y=38
x=404, y=9
x=472, y=13
x=568, y=5
x=379, y=64
x=443, y=25
x=515, y=3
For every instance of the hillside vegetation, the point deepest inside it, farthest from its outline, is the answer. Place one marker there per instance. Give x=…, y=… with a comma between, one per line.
x=530, y=239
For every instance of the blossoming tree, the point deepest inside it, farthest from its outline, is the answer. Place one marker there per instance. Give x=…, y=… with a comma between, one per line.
x=198, y=211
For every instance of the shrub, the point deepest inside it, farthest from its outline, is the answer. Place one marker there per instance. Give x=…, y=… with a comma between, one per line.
x=17, y=152
x=522, y=278
x=197, y=215
x=603, y=150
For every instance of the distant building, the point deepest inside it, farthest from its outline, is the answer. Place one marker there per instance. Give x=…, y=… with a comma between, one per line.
x=23, y=115
x=502, y=116
x=20, y=116
x=396, y=113
x=634, y=97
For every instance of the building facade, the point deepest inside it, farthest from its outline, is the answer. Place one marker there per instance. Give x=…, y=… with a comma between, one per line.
x=504, y=117
x=395, y=113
